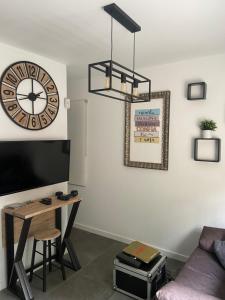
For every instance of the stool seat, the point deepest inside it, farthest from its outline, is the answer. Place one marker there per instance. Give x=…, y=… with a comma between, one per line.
x=48, y=234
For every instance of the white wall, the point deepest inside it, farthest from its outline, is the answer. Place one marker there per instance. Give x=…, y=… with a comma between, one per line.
x=10, y=131
x=77, y=133
x=163, y=208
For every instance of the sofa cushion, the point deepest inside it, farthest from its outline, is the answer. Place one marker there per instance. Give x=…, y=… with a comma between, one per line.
x=219, y=249
x=175, y=291
x=208, y=236
x=202, y=272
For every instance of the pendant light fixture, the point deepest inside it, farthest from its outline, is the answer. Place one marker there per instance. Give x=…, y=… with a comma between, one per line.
x=111, y=79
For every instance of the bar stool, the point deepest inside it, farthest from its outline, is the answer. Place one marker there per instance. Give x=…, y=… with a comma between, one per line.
x=46, y=236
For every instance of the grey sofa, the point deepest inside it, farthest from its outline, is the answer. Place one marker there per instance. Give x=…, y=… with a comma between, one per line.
x=202, y=277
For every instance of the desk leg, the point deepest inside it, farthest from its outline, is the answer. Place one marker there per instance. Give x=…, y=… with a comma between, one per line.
x=18, y=270
x=58, y=225
x=67, y=244
x=9, y=234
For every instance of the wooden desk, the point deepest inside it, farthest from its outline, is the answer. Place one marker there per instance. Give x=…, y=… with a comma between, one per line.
x=15, y=267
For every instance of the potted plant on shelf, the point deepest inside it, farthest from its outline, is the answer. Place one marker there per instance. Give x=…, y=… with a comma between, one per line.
x=207, y=126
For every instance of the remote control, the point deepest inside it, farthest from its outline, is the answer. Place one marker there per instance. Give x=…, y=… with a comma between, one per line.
x=46, y=201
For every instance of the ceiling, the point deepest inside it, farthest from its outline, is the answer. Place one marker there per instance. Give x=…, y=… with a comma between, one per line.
x=77, y=32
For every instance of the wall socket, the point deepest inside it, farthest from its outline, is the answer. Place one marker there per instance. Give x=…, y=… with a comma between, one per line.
x=67, y=103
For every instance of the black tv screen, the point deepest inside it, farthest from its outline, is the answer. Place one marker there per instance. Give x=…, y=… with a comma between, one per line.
x=27, y=165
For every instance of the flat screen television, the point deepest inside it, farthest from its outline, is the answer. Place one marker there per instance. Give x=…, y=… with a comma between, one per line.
x=26, y=165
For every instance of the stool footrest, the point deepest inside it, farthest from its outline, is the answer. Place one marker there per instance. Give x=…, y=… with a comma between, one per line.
x=39, y=252
x=38, y=276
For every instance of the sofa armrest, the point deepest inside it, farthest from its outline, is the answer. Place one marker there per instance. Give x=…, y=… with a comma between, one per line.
x=209, y=235
x=175, y=291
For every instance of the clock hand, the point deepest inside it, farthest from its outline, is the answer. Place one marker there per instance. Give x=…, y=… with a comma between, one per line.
x=38, y=94
x=22, y=98
x=21, y=94
x=32, y=107
x=41, y=98
x=32, y=85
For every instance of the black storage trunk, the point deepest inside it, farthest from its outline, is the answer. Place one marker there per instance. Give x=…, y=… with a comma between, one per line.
x=140, y=283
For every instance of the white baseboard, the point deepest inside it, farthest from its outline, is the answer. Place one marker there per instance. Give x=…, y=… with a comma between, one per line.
x=127, y=240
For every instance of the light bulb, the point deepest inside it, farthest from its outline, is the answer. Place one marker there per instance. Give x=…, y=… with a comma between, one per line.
x=135, y=92
x=135, y=88
x=107, y=82
x=123, y=85
x=107, y=78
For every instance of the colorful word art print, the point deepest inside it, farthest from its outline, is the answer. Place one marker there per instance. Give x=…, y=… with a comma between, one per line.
x=147, y=125
x=147, y=132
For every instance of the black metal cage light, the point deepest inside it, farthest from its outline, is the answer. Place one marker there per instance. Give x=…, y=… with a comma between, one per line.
x=111, y=79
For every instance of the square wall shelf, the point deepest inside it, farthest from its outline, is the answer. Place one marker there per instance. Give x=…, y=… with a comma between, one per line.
x=208, y=150
x=196, y=91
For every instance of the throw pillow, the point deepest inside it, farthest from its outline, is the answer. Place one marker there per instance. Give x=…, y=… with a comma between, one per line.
x=219, y=249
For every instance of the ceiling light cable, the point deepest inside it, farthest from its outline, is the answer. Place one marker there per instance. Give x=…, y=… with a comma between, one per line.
x=134, y=50
x=111, y=38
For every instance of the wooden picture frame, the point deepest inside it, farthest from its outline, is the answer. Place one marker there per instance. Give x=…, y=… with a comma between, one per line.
x=147, y=132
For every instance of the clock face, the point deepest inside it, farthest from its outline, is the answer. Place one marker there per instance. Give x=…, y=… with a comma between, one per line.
x=29, y=95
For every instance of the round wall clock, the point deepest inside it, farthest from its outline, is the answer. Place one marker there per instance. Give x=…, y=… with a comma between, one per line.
x=29, y=95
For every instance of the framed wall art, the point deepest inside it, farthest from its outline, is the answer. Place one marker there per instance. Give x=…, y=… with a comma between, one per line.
x=147, y=132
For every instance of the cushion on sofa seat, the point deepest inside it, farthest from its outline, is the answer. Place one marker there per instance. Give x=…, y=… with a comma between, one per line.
x=208, y=236
x=219, y=249
x=175, y=291
x=203, y=273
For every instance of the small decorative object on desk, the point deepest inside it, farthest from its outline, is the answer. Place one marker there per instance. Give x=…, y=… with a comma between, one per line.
x=61, y=196
x=207, y=126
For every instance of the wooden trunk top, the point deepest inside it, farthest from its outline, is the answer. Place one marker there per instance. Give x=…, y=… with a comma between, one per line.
x=36, y=208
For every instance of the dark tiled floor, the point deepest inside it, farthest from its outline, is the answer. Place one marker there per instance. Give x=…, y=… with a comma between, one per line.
x=94, y=280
